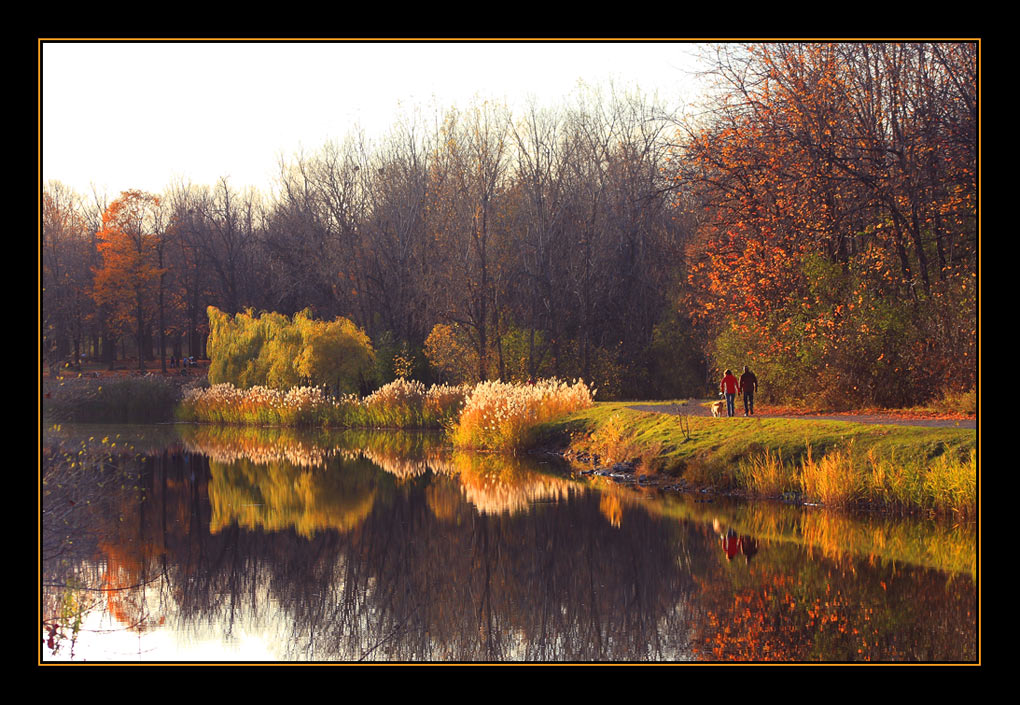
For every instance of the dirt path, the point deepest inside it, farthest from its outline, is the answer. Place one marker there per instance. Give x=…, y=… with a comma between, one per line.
x=696, y=408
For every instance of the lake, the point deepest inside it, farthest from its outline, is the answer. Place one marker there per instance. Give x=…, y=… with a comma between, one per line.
x=189, y=543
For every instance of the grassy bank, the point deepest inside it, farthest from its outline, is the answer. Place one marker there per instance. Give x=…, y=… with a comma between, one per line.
x=128, y=399
x=835, y=463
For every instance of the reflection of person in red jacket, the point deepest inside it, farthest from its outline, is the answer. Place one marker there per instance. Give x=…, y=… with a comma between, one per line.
x=731, y=544
x=729, y=387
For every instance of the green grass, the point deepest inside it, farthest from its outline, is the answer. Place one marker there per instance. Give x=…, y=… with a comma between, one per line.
x=118, y=400
x=835, y=463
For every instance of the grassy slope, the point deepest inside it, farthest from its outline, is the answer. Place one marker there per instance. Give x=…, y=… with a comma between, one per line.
x=727, y=440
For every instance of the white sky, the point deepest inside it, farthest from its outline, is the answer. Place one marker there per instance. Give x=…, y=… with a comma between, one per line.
x=139, y=115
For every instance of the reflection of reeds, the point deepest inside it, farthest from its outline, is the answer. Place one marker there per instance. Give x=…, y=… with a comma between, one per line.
x=262, y=446
x=497, y=484
x=406, y=466
x=403, y=454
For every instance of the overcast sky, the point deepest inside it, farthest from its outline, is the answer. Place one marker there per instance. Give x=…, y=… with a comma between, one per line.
x=139, y=115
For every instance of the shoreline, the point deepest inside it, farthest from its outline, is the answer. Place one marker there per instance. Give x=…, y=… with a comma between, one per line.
x=831, y=463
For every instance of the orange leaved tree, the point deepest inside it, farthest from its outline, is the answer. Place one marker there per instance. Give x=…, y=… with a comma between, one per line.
x=127, y=282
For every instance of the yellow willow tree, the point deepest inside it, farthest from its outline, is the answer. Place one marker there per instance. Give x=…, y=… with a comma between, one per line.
x=335, y=354
x=274, y=350
x=127, y=283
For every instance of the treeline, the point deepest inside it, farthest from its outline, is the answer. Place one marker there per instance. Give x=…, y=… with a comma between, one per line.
x=817, y=222
x=511, y=247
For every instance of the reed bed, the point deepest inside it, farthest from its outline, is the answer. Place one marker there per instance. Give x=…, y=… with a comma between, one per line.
x=400, y=404
x=766, y=474
x=834, y=479
x=491, y=415
x=504, y=417
x=946, y=484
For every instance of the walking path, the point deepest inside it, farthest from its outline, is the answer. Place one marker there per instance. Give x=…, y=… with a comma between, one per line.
x=696, y=408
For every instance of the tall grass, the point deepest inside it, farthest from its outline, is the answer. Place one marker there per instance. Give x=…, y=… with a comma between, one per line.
x=400, y=404
x=148, y=399
x=831, y=462
x=833, y=479
x=490, y=416
x=503, y=416
x=766, y=474
x=946, y=484
x=613, y=442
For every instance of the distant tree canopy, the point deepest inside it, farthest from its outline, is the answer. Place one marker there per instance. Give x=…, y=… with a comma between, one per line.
x=274, y=350
x=816, y=220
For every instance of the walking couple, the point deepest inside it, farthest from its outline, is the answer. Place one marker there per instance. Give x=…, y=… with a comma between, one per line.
x=747, y=384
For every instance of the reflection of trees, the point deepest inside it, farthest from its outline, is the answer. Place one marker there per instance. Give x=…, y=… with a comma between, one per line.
x=90, y=552
x=279, y=496
x=544, y=585
x=794, y=608
x=420, y=577
x=353, y=563
x=611, y=508
x=885, y=539
x=444, y=499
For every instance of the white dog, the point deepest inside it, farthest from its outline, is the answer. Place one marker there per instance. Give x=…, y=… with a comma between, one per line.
x=717, y=408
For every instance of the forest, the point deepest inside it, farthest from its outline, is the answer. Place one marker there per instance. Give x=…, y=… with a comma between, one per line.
x=816, y=218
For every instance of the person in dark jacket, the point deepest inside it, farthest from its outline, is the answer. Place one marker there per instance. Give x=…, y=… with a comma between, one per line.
x=749, y=387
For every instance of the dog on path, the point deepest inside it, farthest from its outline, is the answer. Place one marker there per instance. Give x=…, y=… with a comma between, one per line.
x=717, y=408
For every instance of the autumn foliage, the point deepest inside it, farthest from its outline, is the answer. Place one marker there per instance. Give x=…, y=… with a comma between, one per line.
x=837, y=252
x=816, y=219
x=126, y=283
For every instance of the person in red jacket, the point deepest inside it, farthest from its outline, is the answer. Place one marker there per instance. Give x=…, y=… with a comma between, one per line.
x=729, y=388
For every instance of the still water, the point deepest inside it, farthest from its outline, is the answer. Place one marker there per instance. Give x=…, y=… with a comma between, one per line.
x=197, y=543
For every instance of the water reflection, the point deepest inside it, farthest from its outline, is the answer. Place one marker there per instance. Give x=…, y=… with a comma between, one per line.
x=288, y=546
